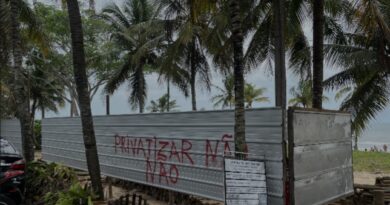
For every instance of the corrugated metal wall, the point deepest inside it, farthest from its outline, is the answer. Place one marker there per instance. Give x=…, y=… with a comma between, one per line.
x=320, y=146
x=177, y=151
x=10, y=130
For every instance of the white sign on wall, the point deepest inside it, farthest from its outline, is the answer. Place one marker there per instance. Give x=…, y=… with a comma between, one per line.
x=245, y=182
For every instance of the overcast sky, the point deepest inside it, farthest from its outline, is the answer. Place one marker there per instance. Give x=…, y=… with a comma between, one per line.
x=259, y=77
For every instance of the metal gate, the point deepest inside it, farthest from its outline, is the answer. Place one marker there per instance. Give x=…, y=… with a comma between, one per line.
x=320, y=156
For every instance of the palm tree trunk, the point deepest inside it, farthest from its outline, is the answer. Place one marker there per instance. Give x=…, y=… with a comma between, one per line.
x=107, y=104
x=21, y=90
x=193, y=91
x=43, y=112
x=168, y=93
x=280, y=69
x=193, y=75
x=318, y=52
x=83, y=95
x=33, y=109
x=355, y=146
x=239, y=111
x=141, y=96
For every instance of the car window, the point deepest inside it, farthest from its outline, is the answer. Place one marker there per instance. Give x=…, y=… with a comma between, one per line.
x=6, y=147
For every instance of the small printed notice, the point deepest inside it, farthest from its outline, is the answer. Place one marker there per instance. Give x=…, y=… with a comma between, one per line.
x=245, y=182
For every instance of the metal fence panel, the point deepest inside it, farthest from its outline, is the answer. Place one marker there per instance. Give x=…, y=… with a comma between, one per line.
x=10, y=130
x=177, y=151
x=320, y=147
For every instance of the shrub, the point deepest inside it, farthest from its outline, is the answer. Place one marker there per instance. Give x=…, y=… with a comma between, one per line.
x=74, y=195
x=53, y=184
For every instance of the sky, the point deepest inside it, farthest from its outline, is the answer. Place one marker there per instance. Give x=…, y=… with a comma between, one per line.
x=259, y=77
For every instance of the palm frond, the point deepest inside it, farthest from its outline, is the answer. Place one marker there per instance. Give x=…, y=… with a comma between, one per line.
x=138, y=86
x=119, y=77
x=367, y=100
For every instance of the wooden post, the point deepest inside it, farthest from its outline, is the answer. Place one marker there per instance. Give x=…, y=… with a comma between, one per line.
x=121, y=200
x=133, y=201
x=127, y=199
x=109, y=181
x=171, y=198
x=139, y=200
x=379, y=197
x=145, y=202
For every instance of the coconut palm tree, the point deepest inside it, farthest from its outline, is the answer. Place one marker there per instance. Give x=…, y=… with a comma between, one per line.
x=343, y=94
x=365, y=62
x=187, y=20
x=17, y=17
x=253, y=94
x=238, y=68
x=280, y=68
x=46, y=88
x=21, y=32
x=101, y=53
x=302, y=96
x=225, y=97
x=162, y=104
x=318, y=52
x=81, y=79
x=138, y=40
x=172, y=72
x=258, y=30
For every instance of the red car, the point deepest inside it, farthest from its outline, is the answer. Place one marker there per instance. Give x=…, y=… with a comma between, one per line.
x=12, y=168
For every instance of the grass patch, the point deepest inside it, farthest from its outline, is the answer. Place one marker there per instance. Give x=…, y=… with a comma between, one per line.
x=371, y=162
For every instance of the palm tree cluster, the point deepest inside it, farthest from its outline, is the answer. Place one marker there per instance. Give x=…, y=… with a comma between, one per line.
x=364, y=57
x=225, y=97
x=51, y=55
x=163, y=104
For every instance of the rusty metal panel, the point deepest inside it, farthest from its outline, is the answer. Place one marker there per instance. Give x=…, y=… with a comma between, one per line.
x=177, y=151
x=10, y=130
x=320, y=149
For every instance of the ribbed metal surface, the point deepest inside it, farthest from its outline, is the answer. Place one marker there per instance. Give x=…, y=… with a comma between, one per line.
x=321, y=150
x=177, y=151
x=10, y=130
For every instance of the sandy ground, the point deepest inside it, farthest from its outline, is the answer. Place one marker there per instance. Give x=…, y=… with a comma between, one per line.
x=367, y=177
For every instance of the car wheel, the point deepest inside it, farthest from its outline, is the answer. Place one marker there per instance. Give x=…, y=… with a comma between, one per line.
x=6, y=201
